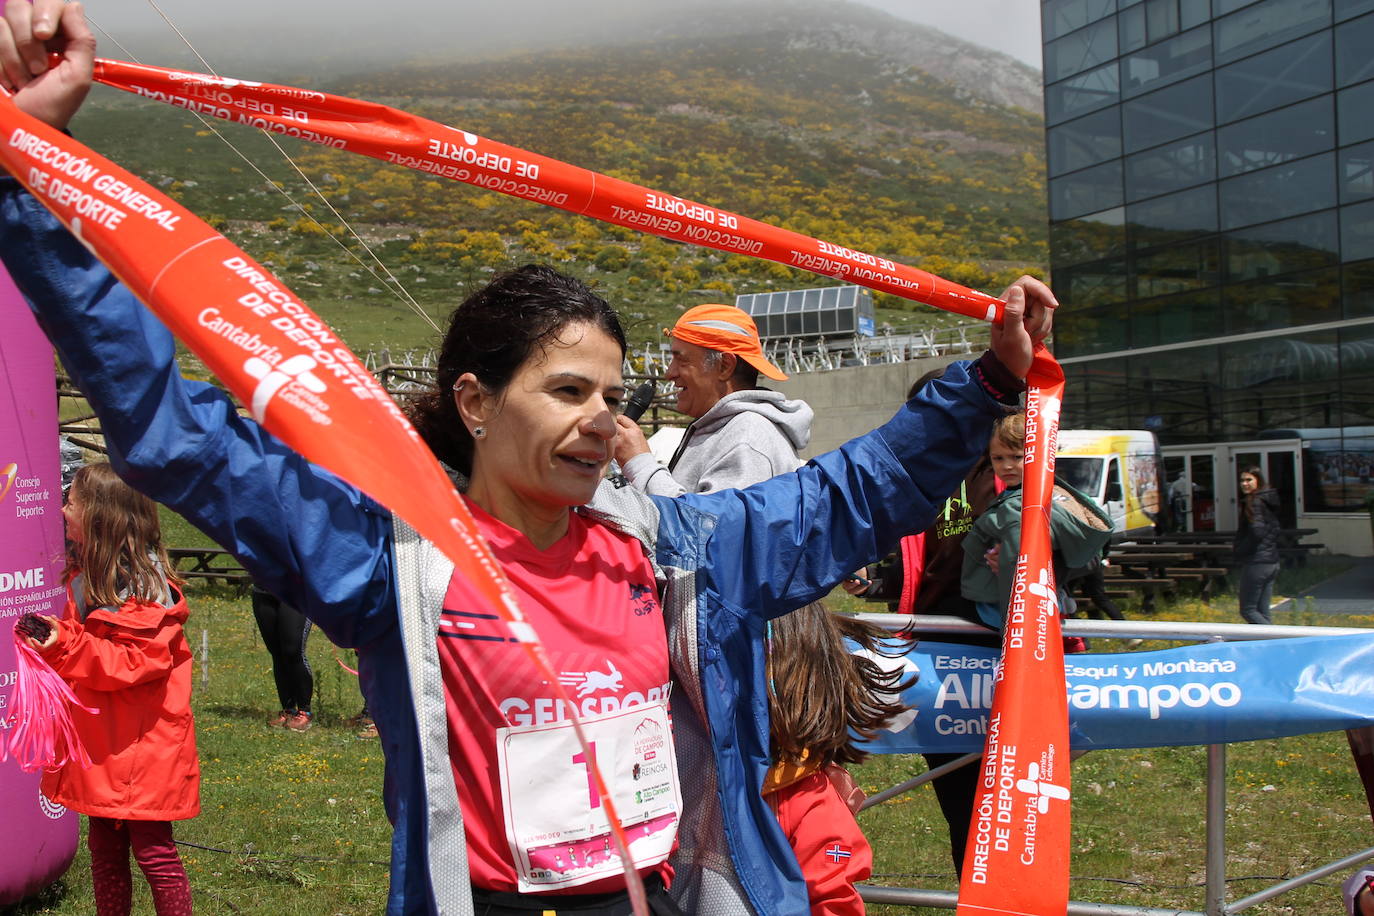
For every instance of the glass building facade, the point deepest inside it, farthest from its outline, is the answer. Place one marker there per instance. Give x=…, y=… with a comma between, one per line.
x=1211, y=198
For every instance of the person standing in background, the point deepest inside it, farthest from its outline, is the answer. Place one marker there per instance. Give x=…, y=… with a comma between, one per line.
x=1256, y=547
x=740, y=433
x=284, y=632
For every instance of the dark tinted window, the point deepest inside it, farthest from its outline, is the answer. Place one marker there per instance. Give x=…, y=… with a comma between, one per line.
x=1079, y=331
x=1278, y=383
x=1091, y=285
x=1161, y=18
x=1088, y=238
x=1175, y=111
x=1177, y=269
x=1192, y=315
x=1353, y=107
x=1347, y=8
x=1097, y=401
x=1279, y=191
x=1082, y=94
x=1086, y=141
x=1180, y=387
x=1131, y=28
x=1341, y=470
x=1357, y=231
x=1275, y=78
x=1080, y=50
x=1357, y=173
x=1305, y=243
x=1097, y=188
x=1167, y=62
x=1289, y=133
x=1060, y=17
x=1266, y=24
x=1171, y=167
x=1354, y=43
x=1171, y=219
x=1295, y=299
x=1193, y=12
x=1358, y=284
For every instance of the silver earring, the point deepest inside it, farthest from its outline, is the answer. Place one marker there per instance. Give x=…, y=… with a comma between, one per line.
x=479, y=432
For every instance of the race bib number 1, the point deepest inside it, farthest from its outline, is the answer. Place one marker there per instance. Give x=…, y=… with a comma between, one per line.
x=555, y=820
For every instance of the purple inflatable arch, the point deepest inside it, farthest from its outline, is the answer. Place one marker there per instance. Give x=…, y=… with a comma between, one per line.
x=39, y=838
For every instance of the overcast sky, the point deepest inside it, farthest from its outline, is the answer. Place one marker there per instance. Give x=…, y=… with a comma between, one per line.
x=1010, y=26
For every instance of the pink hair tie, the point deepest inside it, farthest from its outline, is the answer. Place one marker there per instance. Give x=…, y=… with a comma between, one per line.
x=44, y=736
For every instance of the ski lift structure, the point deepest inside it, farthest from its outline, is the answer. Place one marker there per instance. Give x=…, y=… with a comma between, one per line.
x=824, y=328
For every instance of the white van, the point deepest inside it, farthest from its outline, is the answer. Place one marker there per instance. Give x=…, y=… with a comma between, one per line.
x=1120, y=469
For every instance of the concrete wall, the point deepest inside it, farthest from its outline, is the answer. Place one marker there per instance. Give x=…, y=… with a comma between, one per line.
x=849, y=402
x=1347, y=534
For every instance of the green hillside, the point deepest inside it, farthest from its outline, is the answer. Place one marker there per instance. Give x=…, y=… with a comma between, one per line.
x=826, y=139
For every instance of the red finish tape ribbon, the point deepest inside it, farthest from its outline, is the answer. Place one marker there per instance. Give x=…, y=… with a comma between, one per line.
x=1016, y=862
x=384, y=133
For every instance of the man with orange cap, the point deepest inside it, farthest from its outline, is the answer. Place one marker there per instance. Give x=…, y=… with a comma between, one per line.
x=740, y=433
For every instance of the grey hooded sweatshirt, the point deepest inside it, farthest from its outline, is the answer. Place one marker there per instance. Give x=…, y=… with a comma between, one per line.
x=748, y=436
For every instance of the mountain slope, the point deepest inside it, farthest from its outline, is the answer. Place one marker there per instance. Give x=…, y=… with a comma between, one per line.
x=795, y=118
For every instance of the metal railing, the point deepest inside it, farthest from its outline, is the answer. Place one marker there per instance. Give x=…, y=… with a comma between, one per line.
x=1215, y=903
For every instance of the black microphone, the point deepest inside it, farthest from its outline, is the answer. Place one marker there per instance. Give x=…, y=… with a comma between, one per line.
x=635, y=405
x=639, y=401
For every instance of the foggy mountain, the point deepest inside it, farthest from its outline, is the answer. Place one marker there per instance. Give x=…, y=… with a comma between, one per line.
x=310, y=41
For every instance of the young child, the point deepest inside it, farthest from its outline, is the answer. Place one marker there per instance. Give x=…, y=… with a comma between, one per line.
x=1079, y=528
x=121, y=647
x=822, y=700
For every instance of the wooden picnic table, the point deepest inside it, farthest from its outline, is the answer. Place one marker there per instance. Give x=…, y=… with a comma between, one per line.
x=1190, y=550
x=208, y=563
x=1289, y=536
x=1202, y=565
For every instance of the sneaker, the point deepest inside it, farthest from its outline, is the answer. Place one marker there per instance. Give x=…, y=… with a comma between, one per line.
x=280, y=719
x=369, y=730
x=361, y=720
x=301, y=721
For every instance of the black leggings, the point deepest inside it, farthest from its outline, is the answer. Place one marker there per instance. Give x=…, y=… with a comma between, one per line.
x=1095, y=590
x=284, y=631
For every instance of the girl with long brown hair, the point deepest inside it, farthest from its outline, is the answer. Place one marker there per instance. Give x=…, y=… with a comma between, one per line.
x=823, y=701
x=1256, y=546
x=121, y=647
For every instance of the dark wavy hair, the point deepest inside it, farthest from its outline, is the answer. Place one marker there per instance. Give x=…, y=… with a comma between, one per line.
x=823, y=699
x=491, y=334
x=1248, y=505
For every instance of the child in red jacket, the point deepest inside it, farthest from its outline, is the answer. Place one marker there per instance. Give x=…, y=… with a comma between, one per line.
x=121, y=647
x=821, y=697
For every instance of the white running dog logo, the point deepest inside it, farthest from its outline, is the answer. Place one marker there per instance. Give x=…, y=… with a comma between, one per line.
x=591, y=681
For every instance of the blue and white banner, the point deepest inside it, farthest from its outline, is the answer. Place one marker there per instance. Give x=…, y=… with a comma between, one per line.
x=1205, y=694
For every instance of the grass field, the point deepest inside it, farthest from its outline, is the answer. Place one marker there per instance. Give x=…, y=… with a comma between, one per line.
x=293, y=823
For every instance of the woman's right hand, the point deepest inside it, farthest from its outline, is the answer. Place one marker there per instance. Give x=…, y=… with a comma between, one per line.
x=858, y=583
x=50, y=93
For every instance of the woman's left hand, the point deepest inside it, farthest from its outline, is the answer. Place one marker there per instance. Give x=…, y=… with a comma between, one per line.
x=53, y=624
x=1027, y=320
